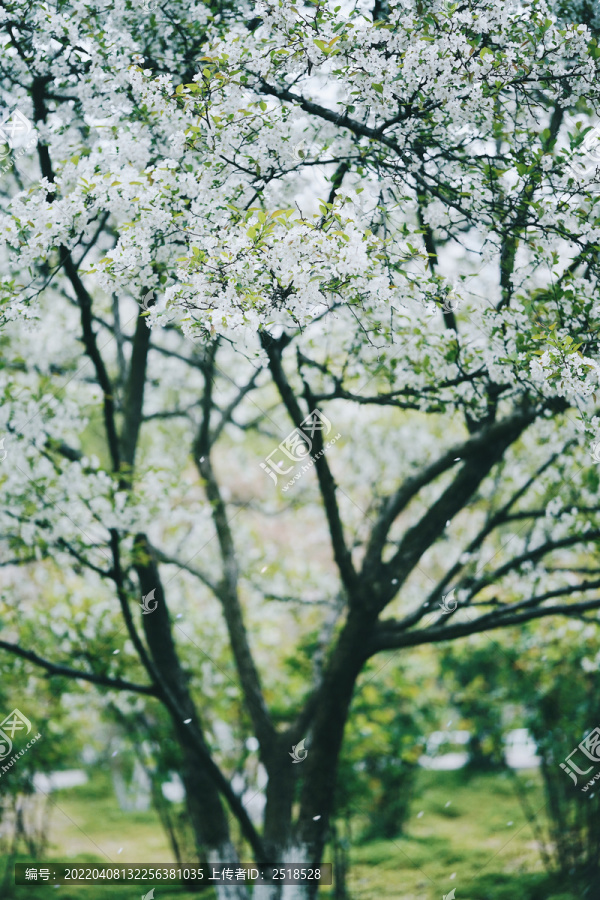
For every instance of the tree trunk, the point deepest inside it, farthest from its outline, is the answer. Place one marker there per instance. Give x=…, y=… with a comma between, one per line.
x=280, y=797
x=295, y=856
x=228, y=890
x=340, y=864
x=205, y=809
x=303, y=848
x=300, y=855
x=327, y=733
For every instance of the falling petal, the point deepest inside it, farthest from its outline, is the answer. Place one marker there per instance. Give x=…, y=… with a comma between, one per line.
x=186, y=721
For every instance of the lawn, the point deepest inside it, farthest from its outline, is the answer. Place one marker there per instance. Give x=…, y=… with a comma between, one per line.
x=466, y=833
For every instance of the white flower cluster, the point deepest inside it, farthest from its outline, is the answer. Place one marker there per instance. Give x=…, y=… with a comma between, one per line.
x=565, y=375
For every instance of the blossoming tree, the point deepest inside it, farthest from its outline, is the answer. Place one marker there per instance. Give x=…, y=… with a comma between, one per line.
x=300, y=317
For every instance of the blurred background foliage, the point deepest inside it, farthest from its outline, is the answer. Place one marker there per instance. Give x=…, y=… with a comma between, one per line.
x=487, y=829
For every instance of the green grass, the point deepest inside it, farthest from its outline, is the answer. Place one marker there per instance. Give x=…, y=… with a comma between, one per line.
x=468, y=845
x=87, y=826
x=116, y=892
x=463, y=831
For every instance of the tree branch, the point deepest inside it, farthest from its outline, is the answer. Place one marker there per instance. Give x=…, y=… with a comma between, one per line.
x=482, y=450
x=388, y=638
x=166, y=669
x=494, y=520
x=134, y=392
x=173, y=561
x=227, y=590
x=56, y=669
x=431, y=525
x=342, y=555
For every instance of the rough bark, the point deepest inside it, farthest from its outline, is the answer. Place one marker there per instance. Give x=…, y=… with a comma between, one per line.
x=207, y=816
